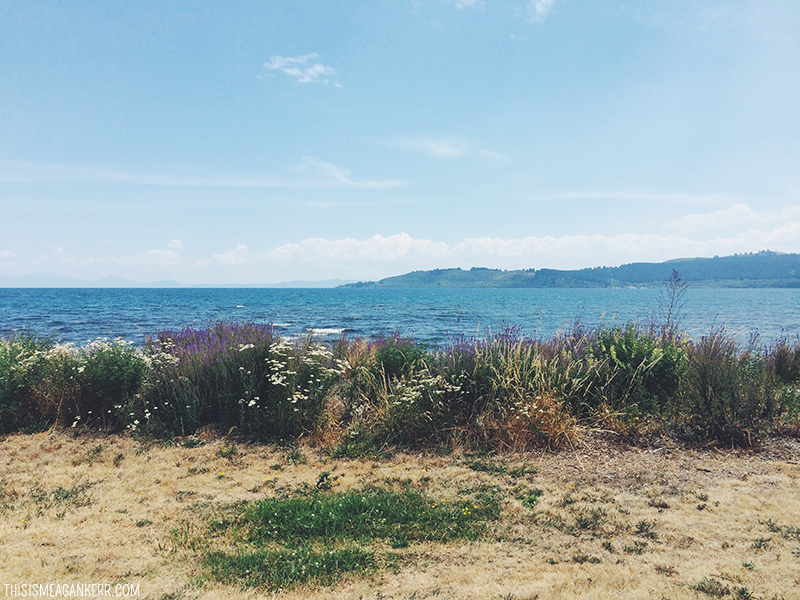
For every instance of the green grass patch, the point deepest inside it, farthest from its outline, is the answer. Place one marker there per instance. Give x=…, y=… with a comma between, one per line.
x=316, y=536
x=284, y=568
x=363, y=516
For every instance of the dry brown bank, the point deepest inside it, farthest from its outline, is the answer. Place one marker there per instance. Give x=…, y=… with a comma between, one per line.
x=105, y=509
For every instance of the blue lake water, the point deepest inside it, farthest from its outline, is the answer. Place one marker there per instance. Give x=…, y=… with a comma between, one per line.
x=78, y=315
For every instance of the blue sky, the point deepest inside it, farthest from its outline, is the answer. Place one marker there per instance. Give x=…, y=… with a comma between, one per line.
x=255, y=142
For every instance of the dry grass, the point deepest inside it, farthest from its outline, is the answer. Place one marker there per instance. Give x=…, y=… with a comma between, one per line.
x=114, y=510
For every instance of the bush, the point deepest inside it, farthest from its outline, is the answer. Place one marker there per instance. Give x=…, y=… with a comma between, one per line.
x=22, y=367
x=732, y=396
x=234, y=375
x=111, y=374
x=637, y=372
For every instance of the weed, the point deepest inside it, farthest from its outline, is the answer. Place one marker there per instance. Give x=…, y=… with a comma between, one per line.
x=748, y=565
x=637, y=548
x=487, y=467
x=787, y=532
x=295, y=457
x=590, y=519
x=581, y=558
x=645, y=529
x=229, y=452
x=711, y=587
x=323, y=482
x=762, y=543
x=532, y=499
x=76, y=496
x=658, y=503
x=667, y=570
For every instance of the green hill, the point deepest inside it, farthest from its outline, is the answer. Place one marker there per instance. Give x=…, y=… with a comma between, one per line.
x=762, y=269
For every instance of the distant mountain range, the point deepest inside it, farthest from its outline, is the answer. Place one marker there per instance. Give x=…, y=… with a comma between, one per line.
x=762, y=269
x=47, y=280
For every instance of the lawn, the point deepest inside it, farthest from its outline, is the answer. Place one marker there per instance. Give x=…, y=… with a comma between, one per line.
x=210, y=516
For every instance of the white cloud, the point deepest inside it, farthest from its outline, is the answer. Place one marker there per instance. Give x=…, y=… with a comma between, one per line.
x=176, y=243
x=139, y=260
x=382, y=256
x=656, y=197
x=376, y=248
x=538, y=9
x=329, y=175
x=238, y=256
x=737, y=220
x=461, y=4
x=733, y=216
x=298, y=68
x=441, y=147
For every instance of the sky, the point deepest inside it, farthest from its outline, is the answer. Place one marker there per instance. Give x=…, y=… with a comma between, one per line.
x=254, y=142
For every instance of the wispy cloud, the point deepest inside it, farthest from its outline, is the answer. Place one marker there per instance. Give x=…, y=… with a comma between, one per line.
x=538, y=9
x=176, y=243
x=739, y=221
x=328, y=174
x=739, y=214
x=310, y=173
x=303, y=69
x=441, y=147
x=637, y=196
x=461, y=4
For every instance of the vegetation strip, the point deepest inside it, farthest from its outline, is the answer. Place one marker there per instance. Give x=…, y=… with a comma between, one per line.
x=503, y=392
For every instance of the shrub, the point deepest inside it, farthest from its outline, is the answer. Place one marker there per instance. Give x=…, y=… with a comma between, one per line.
x=22, y=367
x=111, y=374
x=732, y=396
x=235, y=375
x=637, y=372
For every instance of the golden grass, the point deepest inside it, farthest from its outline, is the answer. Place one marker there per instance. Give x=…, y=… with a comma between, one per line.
x=71, y=511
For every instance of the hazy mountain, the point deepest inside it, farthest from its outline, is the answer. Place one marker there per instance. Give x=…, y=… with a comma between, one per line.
x=48, y=280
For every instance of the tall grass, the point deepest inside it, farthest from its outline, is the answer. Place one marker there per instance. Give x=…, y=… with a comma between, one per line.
x=504, y=391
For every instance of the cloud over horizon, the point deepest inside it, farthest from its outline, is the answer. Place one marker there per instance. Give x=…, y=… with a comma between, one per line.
x=381, y=256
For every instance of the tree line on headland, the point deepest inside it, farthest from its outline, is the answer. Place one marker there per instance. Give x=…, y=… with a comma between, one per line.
x=761, y=269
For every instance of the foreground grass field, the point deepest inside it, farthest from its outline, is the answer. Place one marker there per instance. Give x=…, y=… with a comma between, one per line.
x=206, y=517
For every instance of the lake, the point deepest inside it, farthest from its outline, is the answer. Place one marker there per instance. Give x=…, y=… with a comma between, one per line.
x=78, y=315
